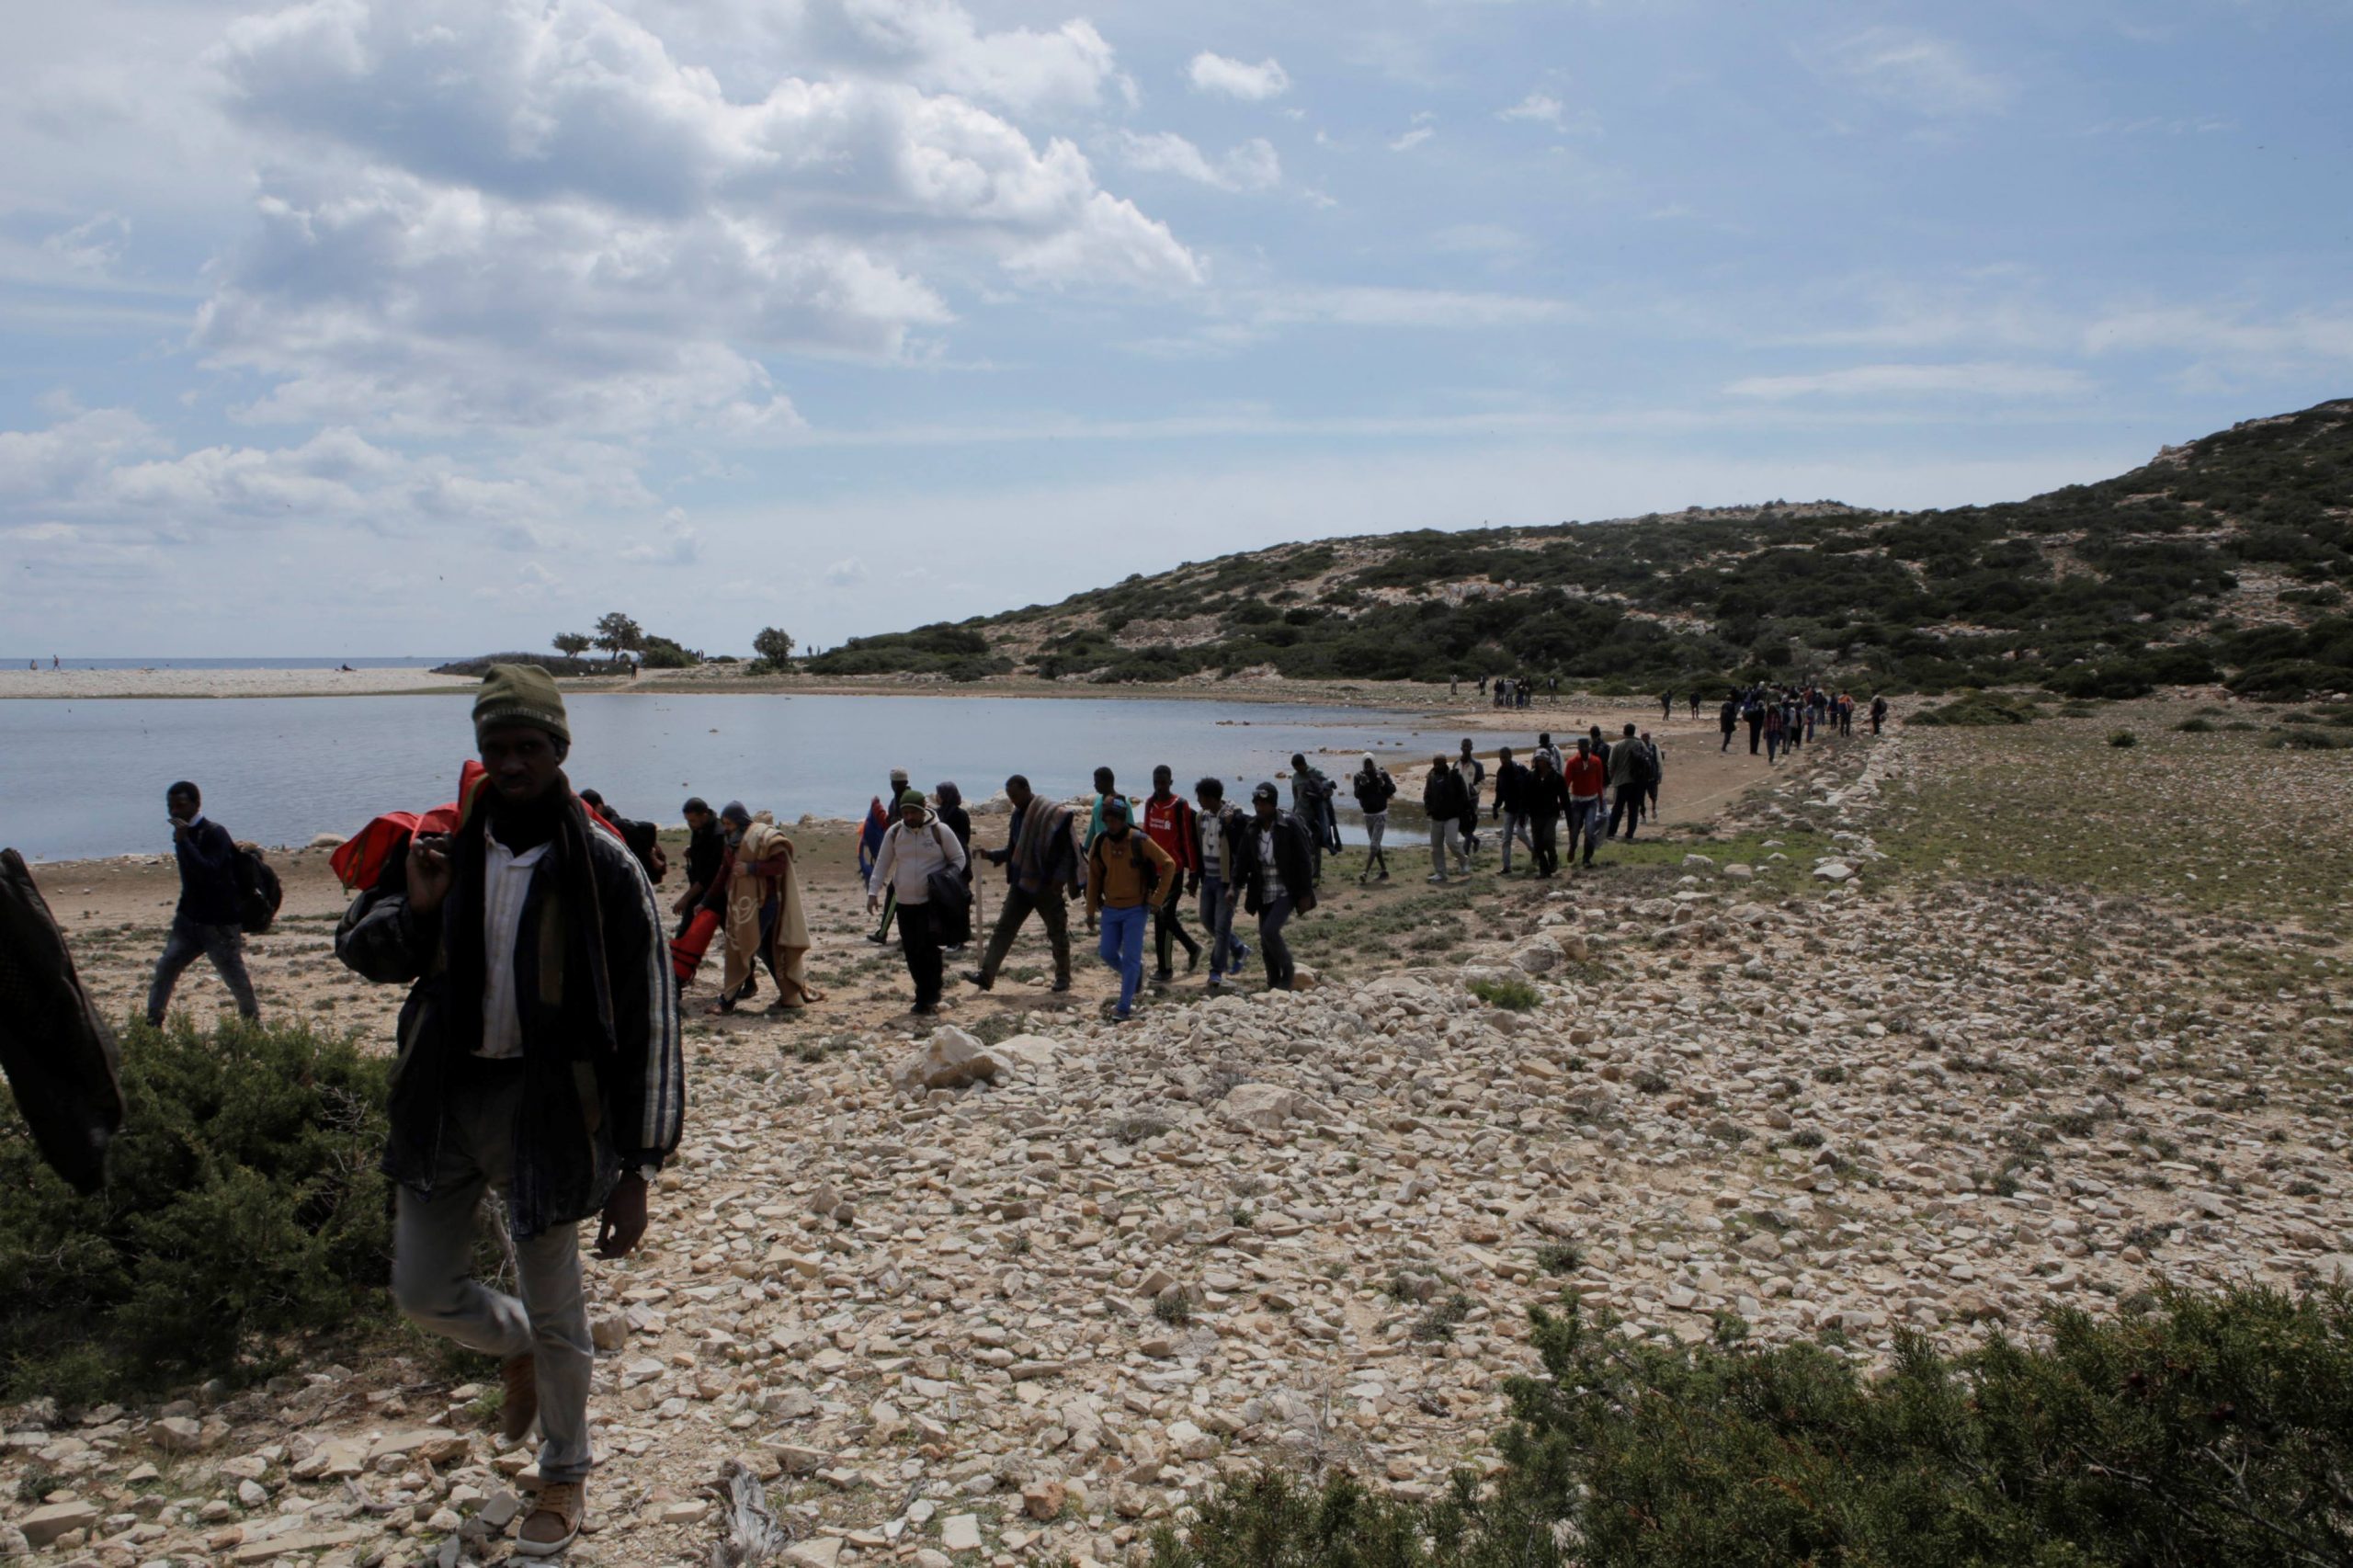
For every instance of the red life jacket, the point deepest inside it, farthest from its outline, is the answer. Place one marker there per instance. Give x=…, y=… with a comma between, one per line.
x=359, y=864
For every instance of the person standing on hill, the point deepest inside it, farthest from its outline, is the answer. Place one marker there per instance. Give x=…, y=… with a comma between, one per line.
x=1753, y=711
x=1219, y=828
x=1443, y=803
x=915, y=847
x=1667, y=705
x=539, y=1058
x=1127, y=874
x=1654, y=774
x=1727, y=720
x=1773, y=730
x=1587, y=776
x=209, y=921
x=1042, y=876
x=1695, y=704
x=1168, y=822
x=1272, y=867
x=1374, y=788
x=1878, y=712
x=1511, y=807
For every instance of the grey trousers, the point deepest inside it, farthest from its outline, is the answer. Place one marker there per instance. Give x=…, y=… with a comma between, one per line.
x=432, y=1246
x=1443, y=836
x=1516, y=826
x=224, y=944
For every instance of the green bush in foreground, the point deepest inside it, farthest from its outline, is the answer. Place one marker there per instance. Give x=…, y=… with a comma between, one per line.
x=2209, y=1430
x=242, y=1203
x=1513, y=995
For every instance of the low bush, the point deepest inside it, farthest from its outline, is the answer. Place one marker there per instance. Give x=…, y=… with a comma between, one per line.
x=1979, y=710
x=241, y=1203
x=2203, y=1429
x=1515, y=996
x=2122, y=738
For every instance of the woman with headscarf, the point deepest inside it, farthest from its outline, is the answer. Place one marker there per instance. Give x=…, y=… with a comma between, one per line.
x=949, y=807
x=758, y=893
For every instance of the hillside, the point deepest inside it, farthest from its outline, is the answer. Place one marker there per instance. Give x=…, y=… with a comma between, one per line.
x=2226, y=560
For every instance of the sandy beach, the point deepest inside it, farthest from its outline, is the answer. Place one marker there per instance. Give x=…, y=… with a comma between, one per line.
x=90, y=685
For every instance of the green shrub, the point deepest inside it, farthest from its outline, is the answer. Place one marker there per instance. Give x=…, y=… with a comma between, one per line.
x=2201, y=1430
x=241, y=1203
x=2305, y=740
x=2196, y=726
x=1980, y=709
x=1515, y=995
x=2122, y=738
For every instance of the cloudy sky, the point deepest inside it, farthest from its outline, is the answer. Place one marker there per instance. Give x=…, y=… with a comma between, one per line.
x=393, y=326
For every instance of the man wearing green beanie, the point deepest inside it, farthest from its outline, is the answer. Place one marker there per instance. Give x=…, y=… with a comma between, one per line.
x=538, y=1058
x=915, y=848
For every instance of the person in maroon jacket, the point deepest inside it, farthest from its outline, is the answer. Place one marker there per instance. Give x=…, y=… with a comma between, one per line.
x=1168, y=821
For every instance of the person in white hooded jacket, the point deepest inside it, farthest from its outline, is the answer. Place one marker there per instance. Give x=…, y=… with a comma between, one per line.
x=915, y=846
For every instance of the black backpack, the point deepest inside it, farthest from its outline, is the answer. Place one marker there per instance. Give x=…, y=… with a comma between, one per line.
x=259, y=893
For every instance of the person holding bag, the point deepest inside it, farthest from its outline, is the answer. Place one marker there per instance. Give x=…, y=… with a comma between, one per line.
x=915, y=853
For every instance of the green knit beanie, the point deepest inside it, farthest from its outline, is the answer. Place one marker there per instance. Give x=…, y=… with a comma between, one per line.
x=912, y=798
x=520, y=694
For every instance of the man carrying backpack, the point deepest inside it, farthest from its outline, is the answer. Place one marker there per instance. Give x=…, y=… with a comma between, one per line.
x=1374, y=790
x=1126, y=875
x=208, y=922
x=1514, y=794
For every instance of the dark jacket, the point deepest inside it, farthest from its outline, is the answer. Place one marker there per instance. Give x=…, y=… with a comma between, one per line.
x=1546, y=795
x=1294, y=863
x=1373, y=792
x=706, y=848
x=604, y=1086
x=208, y=858
x=1444, y=795
x=1512, y=782
x=1227, y=822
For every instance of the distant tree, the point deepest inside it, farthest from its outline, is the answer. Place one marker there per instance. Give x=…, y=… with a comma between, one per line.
x=571, y=644
x=774, y=644
x=618, y=634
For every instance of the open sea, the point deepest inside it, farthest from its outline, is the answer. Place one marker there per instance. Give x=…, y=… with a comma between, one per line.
x=82, y=780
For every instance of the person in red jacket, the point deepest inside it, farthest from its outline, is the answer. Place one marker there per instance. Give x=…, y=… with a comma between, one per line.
x=1168, y=821
x=1588, y=775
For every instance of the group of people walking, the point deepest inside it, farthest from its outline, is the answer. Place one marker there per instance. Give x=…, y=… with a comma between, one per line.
x=1782, y=719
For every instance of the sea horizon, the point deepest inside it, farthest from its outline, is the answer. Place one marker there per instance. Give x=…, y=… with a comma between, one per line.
x=222, y=662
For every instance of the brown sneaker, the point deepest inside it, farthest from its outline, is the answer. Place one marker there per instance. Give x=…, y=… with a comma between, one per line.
x=519, y=1375
x=554, y=1519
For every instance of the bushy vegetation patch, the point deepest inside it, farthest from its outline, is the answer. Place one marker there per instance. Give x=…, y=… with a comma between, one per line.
x=2098, y=591
x=241, y=1203
x=1979, y=710
x=2205, y=1430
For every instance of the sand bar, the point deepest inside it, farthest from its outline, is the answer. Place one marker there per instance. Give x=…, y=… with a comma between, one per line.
x=90, y=685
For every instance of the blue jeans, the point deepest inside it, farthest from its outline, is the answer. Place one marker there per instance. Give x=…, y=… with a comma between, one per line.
x=190, y=940
x=1121, y=947
x=1226, y=951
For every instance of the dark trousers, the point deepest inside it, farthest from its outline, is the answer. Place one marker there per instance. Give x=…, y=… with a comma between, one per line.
x=919, y=940
x=224, y=944
x=1546, y=830
x=1053, y=912
x=1755, y=728
x=1727, y=746
x=1168, y=932
x=1272, y=949
x=1626, y=804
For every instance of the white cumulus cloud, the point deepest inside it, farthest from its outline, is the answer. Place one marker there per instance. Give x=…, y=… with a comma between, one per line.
x=1915, y=71
x=1540, y=107
x=1252, y=166
x=1238, y=79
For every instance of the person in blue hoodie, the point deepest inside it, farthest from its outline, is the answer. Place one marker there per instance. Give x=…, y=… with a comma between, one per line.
x=208, y=923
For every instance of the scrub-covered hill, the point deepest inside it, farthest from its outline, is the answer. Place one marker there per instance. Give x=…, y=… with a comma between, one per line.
x=2227, y=559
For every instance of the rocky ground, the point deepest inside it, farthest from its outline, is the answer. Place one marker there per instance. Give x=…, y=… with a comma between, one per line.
x=1023, y=1288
